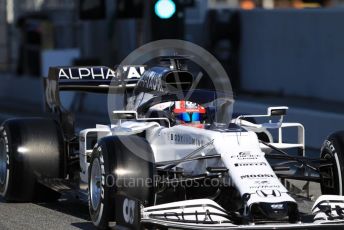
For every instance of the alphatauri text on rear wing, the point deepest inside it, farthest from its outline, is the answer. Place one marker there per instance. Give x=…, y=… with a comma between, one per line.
x=97, y=79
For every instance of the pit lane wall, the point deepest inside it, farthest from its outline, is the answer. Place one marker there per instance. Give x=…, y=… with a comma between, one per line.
x=293, y=52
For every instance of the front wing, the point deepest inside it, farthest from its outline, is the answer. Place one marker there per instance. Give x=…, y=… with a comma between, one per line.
x=206, y=214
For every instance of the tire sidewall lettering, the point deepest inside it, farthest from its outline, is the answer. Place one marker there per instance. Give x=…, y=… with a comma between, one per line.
x=329, y=145
x=99, y=213
x=4, y=187
x=101, y=159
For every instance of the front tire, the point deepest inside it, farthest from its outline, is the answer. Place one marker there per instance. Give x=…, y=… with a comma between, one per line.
x=113, y=163
x=332, y=177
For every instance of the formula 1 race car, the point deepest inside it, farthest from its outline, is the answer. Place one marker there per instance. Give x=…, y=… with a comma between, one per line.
x=175, y=157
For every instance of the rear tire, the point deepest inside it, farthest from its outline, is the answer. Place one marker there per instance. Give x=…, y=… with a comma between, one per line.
x=30, y=149
x=113, y=165
x=332, y=177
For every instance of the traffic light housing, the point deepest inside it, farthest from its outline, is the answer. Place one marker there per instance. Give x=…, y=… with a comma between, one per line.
x=167, y=19
x=92, y=9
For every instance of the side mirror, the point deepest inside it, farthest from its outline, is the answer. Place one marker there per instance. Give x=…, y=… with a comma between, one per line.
x=124, y=115
x=277, y=111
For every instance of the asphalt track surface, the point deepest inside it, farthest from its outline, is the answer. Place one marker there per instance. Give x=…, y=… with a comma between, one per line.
x=67, y=213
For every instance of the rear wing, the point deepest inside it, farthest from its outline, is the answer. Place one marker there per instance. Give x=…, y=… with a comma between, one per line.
x=97, y=79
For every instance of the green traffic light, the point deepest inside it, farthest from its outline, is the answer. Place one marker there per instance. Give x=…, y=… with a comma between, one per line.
x=165, y=9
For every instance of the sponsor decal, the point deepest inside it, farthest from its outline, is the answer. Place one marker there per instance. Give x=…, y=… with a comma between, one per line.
x=277, y=206
x=264, y=186
x=151, y=81
x=129, y=211
x=268, y=193
x=262, y=182
x=100, y=73
x=250, y=164
x=246, y=156
x=255, y=176
x=185, y=139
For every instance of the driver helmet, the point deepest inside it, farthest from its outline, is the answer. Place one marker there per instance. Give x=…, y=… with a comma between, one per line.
x=189, y=113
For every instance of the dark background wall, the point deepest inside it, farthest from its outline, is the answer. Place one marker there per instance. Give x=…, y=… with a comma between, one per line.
x=293, y=52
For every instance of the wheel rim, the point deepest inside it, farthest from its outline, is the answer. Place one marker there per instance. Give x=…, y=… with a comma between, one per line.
x=95, y=184
x=3, y=161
